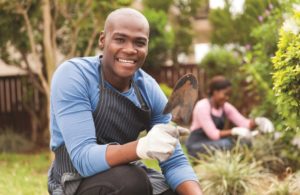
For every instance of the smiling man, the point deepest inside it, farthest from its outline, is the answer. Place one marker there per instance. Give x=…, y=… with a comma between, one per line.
x=99, y=105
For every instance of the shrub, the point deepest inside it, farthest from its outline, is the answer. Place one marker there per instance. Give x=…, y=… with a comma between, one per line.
x=10, y=141
x=220, y=61
x=286, y=77
x=161, y=39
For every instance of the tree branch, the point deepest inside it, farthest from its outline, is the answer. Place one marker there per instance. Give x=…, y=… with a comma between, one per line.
x=31, y=75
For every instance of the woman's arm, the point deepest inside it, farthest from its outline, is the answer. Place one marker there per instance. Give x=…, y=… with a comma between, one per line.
x=237, y=118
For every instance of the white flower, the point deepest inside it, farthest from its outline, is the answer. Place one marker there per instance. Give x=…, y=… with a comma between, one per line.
x=277, y=135
x=296, y=7
x=296, y=141
x=290, y=25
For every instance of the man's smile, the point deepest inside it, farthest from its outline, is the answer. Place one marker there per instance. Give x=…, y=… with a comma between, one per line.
x=127, y=61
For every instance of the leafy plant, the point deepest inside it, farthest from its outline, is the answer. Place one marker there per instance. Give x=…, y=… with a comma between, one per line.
x=220, y=61
x=161, y=38
x=230, y=173
x=286, y=76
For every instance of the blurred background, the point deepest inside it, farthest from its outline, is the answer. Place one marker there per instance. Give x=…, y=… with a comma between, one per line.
x=254, y=43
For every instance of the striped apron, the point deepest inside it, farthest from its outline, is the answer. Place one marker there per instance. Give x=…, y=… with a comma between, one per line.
x=117, y=120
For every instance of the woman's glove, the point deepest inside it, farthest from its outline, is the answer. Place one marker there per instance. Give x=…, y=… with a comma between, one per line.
x=160, y=142
x=241, y=132
x=264, y=124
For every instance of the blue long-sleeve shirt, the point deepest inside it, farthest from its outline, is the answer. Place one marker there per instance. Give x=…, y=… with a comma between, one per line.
x=75, y=95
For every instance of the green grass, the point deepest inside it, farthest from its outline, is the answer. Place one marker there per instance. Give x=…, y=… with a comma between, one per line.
x=24, y=174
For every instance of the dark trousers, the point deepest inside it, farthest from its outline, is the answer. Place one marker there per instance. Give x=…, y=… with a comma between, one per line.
x=199, y=143
x=120, y=180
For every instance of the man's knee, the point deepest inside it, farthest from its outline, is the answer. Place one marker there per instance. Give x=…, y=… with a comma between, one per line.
x=125, y=179
x=134, y=180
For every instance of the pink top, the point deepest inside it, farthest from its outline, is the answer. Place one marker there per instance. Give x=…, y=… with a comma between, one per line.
x=202, y=118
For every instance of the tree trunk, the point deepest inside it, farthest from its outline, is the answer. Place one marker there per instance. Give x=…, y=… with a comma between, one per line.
x=47, y=40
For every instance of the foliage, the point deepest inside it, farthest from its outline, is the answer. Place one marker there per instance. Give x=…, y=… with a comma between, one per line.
x=254, y=34
x=24, y=174
x=39, y=33
x=158, y=5
x=268, y=150
x=226, y=173
x=220, y=61
x=11, y=141
x=180, y=24
x=276, y=152
x=256, y=30
x=286, y=75
x=161, y=38
x=260, y=169
x=236, y=28
x=258, y=60
x=290, y=185
x=166, y=89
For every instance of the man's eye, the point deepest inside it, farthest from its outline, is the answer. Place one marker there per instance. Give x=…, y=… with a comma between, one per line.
x=140, y=43
x=119, y=40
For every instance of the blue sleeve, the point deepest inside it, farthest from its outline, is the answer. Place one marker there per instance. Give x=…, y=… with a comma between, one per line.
x=177, y=169
x=156, y=100
x=73, y=113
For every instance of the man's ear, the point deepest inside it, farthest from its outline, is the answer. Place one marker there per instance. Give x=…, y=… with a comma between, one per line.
x=101, y=40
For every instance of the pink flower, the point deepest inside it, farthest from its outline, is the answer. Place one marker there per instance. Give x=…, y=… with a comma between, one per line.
x=271, y=6
x=267, y=12
x=247, y=46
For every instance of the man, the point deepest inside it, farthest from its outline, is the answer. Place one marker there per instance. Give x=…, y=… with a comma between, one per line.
x=99, y=105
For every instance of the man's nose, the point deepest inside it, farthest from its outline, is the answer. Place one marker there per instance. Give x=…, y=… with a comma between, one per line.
x=129, y=48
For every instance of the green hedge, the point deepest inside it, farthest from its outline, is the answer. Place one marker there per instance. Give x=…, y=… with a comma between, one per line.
x=286, y=77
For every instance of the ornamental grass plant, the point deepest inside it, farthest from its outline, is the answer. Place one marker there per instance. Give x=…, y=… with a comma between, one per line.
x=232, y=172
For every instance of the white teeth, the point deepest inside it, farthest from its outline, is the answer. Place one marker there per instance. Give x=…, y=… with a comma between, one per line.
x=125, y=61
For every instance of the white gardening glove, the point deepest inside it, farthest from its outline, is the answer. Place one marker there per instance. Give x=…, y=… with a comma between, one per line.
x=241, y=132
x=160, y=142
x=264, y=124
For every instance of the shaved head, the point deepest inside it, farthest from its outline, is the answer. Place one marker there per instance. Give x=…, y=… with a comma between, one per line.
x=124, y=45
x=124, y=14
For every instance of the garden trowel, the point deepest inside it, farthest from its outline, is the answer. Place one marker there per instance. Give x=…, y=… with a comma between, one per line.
x=182, y=99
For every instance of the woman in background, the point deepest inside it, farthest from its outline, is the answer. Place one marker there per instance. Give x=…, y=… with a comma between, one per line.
x=209, y=116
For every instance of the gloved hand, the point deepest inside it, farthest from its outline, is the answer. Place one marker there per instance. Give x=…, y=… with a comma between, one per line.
x=264, y=124
x=160, y=142
x=241, y=132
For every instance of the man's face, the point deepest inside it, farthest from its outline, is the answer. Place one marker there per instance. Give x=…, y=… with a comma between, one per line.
x=125, y=46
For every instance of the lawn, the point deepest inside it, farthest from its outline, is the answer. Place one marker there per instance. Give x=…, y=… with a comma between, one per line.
x=26, y=174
